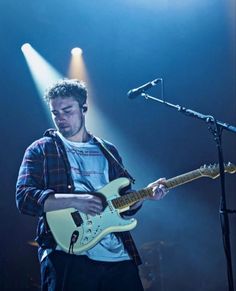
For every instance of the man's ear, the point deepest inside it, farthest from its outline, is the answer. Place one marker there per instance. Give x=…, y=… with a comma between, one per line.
x=84, y=108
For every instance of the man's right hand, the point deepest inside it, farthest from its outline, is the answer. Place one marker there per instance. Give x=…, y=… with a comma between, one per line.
x=86, y=203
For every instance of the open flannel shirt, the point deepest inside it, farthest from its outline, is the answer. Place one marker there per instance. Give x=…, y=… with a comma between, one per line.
x=45, y=170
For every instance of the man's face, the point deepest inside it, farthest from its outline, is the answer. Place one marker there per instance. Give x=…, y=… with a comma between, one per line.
x=67, y=116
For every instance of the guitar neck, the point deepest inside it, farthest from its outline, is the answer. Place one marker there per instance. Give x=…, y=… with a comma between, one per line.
x=183, y=179
x=133, y=197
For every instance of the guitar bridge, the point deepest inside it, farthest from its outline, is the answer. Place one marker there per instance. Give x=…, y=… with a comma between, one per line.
x=77, y=218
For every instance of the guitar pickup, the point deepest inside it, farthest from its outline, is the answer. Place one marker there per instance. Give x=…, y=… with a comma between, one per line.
x=77, y=218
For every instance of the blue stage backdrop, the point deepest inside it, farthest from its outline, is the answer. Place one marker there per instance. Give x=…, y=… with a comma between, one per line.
x=191, y=46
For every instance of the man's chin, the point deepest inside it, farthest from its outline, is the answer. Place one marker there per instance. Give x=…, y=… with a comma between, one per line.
x=65, y=132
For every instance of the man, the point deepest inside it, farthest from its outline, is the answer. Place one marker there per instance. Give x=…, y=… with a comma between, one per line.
x=71, y=159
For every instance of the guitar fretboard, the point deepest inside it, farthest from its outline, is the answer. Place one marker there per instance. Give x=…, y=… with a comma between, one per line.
x=133, y=197
x=211, y=171
x=182, y=179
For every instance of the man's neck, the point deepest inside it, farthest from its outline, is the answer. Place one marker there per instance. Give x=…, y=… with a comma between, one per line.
x=80, y=137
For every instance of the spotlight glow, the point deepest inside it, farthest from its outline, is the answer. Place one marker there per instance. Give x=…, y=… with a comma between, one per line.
x=77, y=68
x=25, y=47
x=41, y=71
x=76, y=51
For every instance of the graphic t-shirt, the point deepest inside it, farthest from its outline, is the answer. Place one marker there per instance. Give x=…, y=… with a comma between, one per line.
x=89, y=169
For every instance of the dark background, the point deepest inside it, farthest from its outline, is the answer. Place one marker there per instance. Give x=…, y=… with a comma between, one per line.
x=191, y=45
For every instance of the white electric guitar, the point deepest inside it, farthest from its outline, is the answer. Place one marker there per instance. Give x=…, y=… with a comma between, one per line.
x=77, y=232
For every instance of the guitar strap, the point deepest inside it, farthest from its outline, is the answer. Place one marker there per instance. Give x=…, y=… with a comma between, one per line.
x=104, y=147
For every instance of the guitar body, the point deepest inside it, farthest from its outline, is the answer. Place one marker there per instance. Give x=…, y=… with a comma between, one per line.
x=89, y=230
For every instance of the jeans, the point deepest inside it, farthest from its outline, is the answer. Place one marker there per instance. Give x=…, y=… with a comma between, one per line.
x=61, y=271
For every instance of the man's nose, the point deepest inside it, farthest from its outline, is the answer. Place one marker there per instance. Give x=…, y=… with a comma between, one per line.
x=60, y=117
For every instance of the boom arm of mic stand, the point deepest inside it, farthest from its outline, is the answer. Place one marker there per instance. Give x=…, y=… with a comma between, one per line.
x=192, y=113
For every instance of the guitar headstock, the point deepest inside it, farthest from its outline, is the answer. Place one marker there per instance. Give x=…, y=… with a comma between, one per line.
x=213, y=171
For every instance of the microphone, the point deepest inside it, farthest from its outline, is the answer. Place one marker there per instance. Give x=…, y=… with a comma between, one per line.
x=133, y=93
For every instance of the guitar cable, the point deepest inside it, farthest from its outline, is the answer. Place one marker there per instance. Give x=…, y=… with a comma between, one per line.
x=73, y=240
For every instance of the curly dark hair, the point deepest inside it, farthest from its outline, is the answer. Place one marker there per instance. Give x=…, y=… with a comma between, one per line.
x=67, y=88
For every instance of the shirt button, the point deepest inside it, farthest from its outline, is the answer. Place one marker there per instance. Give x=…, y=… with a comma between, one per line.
x=69, y=186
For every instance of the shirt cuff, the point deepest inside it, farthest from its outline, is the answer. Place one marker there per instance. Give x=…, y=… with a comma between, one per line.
x=44, y=196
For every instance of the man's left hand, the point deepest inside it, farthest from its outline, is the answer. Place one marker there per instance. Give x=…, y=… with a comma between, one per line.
x=159, y=189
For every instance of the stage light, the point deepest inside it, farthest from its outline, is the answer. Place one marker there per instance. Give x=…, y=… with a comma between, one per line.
x=25, y=47
x=76, y=51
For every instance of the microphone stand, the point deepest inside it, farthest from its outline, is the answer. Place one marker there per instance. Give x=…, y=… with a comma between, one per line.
x=216, y=127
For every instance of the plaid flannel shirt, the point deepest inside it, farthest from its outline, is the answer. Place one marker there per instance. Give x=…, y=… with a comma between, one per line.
x=45, y=170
